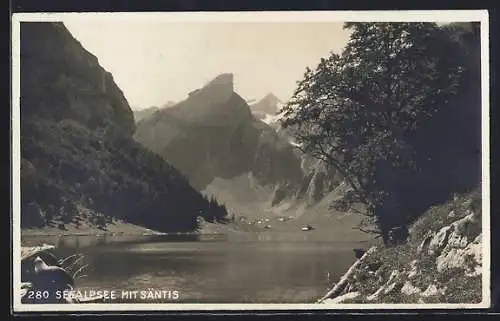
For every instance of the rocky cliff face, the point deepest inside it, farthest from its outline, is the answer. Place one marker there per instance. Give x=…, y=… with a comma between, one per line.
x=78, y=155
x=214, y=134
x=441, y=263
x=61, y=80
x=319, y=179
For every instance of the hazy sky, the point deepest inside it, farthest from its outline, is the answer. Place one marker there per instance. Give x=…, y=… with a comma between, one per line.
x=155, y=62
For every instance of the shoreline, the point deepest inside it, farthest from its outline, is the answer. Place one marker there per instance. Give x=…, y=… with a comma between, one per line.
x=120, y=228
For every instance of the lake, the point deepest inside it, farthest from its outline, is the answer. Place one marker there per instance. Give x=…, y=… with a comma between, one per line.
x=267, y=267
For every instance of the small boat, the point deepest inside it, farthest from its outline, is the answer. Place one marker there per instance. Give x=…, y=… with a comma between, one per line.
x=268, y=227
x=307, y=228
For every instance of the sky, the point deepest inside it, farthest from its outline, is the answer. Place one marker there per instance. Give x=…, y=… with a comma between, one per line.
x=154, y=62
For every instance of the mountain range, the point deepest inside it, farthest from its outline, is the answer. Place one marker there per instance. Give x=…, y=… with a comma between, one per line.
x=213, y=133
x=225, y=148
x=85, y=151
x=79, y=161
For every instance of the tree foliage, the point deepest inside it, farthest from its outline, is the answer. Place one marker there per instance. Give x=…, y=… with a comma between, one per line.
x=66, y=163
x=362, y=110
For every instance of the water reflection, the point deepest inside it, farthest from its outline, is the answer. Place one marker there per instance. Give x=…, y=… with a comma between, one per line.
x=261, y=267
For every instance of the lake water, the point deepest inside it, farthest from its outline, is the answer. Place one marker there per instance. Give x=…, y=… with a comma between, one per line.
x=242, y=268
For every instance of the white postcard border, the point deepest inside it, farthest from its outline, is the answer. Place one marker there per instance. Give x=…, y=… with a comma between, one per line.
x=279, y=17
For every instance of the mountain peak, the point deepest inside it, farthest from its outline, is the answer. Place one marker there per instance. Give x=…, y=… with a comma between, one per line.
x=223, y=79
x=218, y=90
x=271, y=98
x=267, y=105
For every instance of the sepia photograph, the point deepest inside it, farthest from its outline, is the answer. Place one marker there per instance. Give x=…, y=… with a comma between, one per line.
x=250, y=160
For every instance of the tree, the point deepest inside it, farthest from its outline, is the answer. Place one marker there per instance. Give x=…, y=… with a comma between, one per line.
x=358, y=110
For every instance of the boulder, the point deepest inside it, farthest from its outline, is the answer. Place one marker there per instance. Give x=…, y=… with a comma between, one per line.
x=461, y=224
x=440, y=240
x=413, y=269
x=451, y=235
x=410, y=289
x=460, y=258
x=450, y=259
x=433, y=290
x=457, y=240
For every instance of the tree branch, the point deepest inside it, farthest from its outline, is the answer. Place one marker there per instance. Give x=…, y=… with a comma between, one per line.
x=347, y=176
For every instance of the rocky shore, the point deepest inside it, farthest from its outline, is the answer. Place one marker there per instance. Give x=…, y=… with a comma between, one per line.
x=440, y=263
